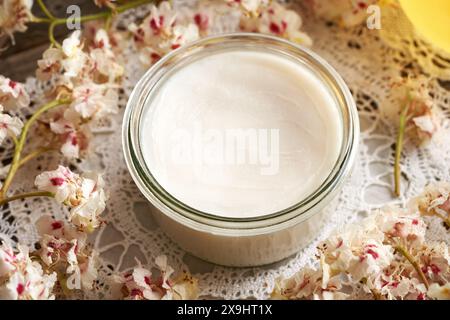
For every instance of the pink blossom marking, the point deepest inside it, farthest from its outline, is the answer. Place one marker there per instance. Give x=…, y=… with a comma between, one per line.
x=362, y=5
x=176, y=46
x=157, y=25
x=20, y=288
x=136, y=292
x=101, y=44
x=421, y=296
x=12, y=84
x=148, y=280
x=275, y=28
x=155, y=57
x=57, y=181
x=202, y=21
x=434, y=268
x=74, y=140
x=57, y=225
x=139, y=35
x=415, y=222
x=374, y=254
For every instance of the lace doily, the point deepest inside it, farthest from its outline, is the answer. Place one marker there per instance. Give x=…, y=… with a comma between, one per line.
x=365, y=63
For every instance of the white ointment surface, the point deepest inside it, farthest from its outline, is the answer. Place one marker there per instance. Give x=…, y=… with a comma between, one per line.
x=241, y=133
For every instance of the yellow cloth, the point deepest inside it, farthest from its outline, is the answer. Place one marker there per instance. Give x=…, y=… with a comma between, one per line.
x=431, y=18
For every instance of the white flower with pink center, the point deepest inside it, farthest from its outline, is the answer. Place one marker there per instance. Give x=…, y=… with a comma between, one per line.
x=249, y=7
x=103, y=59
x=181, y=35
x=13, y=94
x=50, y=64
x=7, y=260
x=75, y=139
x=75, y=60
x=93, y=198
x=14, y=15
x=9, y=126
x=434, y=200
x=92, y=100
x=140, y=284
x=423, y=118
x=435, y=261
x=83, y=194
x=303, y=284
x=64, y=248
x=400, y=224
x=348, y=12
x=161, y=33
x=276, y=20
x=371, y=260
x=22, y=278
x=62, y=182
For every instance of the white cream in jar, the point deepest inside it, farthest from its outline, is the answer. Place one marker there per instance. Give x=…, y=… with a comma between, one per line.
x=241, y=134
x=239, y=141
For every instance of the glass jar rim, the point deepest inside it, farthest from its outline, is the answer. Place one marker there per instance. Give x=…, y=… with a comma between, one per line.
x=179, y=211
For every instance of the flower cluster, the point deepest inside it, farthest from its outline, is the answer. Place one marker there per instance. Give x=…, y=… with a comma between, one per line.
x=21, y=278
x=9, y=126
x=63, y=250
x=89, y=79
x=84, y=195
x=273, y=19
x=384, y=256
x=12, y=97
x=249, y=7
x=12, y=94
x=422, y=120
x=349, y=13
x=434, y=201
x=140, y=284
x=84, y=74
x=14, y=16
x=161, y=32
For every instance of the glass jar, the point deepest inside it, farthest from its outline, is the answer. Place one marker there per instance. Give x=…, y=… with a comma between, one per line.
x=239, y=241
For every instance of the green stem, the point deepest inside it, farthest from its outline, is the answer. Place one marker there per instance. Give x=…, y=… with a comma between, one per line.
x=51, y=35
x=105, y=14
x=45, y=10
x=13, y=137
x=414, y=263
x=26, y=195
x=40, y=20
x=20, y=145
x=34, y=154
x=54, y=22
x=399, y=148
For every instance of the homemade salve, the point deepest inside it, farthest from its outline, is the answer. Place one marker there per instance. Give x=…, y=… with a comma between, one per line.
x=239, y=141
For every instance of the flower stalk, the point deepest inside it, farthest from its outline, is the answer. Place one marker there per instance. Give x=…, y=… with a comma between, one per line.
x=21, y=143
x=404, y=252
x=26, y=195
x=54, y=21
x=399, y=148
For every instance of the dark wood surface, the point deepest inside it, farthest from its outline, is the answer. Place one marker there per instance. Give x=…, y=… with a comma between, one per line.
x=19, y=61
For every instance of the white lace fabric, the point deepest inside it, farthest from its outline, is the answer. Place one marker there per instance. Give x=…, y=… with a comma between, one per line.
x=365, y=63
